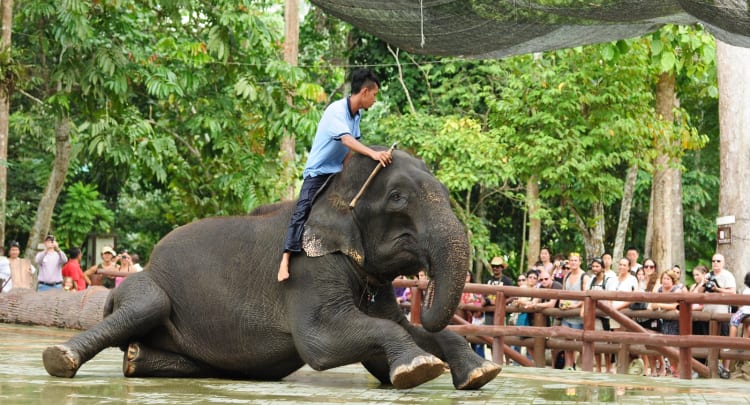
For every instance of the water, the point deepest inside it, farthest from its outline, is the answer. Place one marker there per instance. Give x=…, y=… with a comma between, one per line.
x=23, y=380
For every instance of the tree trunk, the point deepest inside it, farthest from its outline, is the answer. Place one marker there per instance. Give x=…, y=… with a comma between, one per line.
x=626, y=204
x=291, y=56
x=535, y=224
x=593, y=238
x=663, y=200
x=61, y=309
x=54, y=186
x=6, y=89
x=734, y=148
x=678, y=230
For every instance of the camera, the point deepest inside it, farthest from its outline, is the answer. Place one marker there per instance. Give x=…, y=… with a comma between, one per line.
x=123, y=257
x=710, y=283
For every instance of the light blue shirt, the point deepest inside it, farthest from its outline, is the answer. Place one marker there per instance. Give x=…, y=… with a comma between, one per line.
x=328, y=152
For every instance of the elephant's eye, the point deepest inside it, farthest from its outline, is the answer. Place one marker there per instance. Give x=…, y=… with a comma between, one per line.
x=396, y=196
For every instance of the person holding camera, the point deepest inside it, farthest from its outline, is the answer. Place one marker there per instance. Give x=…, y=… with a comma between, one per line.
x=50, y=262
x=719, y=280
x=127, y=265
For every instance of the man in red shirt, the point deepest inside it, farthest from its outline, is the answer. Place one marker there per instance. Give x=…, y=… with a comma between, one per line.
x=73, y=270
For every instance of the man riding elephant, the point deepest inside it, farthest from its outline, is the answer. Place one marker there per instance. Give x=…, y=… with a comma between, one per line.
x=338, y=308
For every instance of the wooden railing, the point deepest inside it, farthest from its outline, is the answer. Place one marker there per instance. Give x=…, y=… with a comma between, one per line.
x=635, y=340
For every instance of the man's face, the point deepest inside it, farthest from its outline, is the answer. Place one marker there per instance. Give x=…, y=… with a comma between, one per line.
x=574, y=262
x=369, y=96
x=546, y=280
x=717, y=262
x=632, y=256
x=14, y=252
x=607, y=259
x=497, y=271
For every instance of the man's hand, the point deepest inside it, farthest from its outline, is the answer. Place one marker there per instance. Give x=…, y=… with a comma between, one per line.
x=384, y=157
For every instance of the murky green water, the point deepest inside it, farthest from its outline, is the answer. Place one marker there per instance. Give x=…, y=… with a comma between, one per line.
x=23, y=380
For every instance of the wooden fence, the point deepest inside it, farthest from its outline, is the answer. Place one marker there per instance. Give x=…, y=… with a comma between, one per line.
x=633, y=340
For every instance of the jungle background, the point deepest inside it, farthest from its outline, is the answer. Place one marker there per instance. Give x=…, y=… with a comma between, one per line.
x=133, y=117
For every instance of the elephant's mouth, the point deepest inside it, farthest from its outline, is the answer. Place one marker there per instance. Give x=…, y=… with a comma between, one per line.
x=429, y=296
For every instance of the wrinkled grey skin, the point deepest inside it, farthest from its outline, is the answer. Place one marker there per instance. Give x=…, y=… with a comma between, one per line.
x=208, y=303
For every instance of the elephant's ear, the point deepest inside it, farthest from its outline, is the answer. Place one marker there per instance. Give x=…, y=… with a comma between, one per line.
x=331, y=228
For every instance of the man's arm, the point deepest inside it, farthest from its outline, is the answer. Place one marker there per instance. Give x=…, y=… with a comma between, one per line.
x=384, y=157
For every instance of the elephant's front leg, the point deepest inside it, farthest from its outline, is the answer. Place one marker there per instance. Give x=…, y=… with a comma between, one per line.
x=469, y=370
x=350, y=336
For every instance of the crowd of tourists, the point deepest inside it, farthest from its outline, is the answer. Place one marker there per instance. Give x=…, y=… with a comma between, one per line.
x=627, y=274
x=52, y=268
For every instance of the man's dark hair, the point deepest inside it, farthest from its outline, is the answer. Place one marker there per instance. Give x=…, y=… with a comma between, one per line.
x=74, y=252
x=631, y=248
x=363, y=78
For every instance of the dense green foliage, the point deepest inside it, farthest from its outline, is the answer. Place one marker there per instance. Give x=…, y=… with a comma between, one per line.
x=180, y=107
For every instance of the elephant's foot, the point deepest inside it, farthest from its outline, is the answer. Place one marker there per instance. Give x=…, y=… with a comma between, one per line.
x=420, y=370
x=60, y=361
x=128, y=364
x=480, y=376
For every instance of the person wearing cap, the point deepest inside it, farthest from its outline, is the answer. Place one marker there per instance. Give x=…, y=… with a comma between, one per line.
x=498, y=278
x=93, y=274
x=50, y=262
x=21, y=270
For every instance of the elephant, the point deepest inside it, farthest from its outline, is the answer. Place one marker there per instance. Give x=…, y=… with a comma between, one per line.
x=208, y=303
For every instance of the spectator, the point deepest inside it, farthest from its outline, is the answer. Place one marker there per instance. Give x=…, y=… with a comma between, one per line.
x=678, y=271
x=126, y=265
x=528, y=280
x=468, y=298
x=574, y=281
x=50, y=262
x=68, y=284
x=558, y=271
x=21, y=270
x=652, y=275
x=498, y=265
x=699, y=272
x=546, y=258
x=136, y=260
x=93, y=274
x=668, y=283
x=719, y=280
x=742, y=312
x=625, y=282
x=73, y=270
x=6, y=283
x=600, y=282
x=633, y=255
x=547, y=281
x=653, y=283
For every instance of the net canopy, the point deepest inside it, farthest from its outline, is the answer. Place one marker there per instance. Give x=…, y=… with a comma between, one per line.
x=497, y=28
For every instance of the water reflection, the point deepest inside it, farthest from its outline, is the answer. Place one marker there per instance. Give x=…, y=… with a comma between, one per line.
x=23, y=380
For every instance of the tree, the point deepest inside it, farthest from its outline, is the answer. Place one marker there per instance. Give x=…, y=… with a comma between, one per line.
x=7, y=81
x=734, y=84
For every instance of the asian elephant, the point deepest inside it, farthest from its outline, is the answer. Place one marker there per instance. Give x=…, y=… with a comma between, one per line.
x=208, y=303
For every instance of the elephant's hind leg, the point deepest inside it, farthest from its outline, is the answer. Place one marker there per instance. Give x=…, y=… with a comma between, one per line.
x=143, y=361
x=138, y=306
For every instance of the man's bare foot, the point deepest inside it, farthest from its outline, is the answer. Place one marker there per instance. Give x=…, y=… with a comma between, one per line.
x=283, y=267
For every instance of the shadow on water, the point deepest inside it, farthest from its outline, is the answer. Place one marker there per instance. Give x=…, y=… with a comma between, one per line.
x=23, y=380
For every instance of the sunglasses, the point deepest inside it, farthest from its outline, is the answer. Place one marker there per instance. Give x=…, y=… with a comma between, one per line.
x=545, y=278
x=648, y=266
x=716, y=261
x=521, y=279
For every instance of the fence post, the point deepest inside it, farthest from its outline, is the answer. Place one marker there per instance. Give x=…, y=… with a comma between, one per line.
x=589, y=324
x=686, y=328
x=540, y=342
x=498, y=342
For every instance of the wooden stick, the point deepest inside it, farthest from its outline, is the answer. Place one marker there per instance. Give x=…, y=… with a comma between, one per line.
x=369, y=179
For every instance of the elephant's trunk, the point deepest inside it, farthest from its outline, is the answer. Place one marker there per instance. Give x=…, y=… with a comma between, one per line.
x=449, y=249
